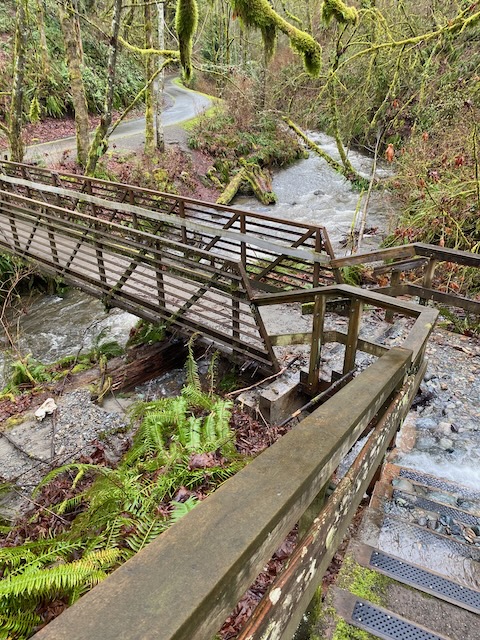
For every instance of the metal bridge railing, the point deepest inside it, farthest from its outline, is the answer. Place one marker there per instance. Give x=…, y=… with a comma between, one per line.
x=275, y=253
x=163, y=281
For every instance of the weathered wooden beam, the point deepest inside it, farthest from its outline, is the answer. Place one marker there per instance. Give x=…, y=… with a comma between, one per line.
x=280, y=611
x=444, y=254
x=393, y=253
x=184, y=584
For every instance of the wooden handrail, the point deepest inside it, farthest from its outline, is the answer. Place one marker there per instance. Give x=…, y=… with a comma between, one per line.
x=184, y=584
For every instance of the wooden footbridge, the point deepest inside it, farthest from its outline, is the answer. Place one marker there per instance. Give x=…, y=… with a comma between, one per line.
x=197, y=267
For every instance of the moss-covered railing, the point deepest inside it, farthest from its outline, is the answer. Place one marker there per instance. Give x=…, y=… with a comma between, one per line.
x=183, y=585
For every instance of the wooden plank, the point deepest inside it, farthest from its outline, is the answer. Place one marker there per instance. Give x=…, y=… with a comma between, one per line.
x=401, y=265
x=281, y=610
x=185, y=583
x=393, y=253
x=367, y=296
x=354, y=319
x=447, y=255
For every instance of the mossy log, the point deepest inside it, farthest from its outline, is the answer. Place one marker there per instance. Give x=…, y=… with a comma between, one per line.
x=232, y=187
x=314, y=147
x=253, y=175
x=260, y=182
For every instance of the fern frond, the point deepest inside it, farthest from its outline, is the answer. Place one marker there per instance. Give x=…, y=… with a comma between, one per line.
x=193, y=379
x=146, y=530
x=182, y=508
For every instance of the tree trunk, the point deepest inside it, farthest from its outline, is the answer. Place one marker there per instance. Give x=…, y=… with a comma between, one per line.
x=74, y=53
x=149, y=93
x=160, y=83
x=43, y=40
x=17, y=148
x=100, y=141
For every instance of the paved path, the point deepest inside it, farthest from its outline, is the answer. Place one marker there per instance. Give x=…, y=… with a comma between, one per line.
x=184, y=105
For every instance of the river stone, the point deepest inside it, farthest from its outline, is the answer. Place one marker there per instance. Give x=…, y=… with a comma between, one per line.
x=426, y=423
x=446, y=444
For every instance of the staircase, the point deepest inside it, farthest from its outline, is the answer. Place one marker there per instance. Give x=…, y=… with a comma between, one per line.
x=412, y=572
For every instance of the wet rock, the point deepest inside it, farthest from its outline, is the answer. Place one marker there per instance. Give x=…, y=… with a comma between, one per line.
x=426, y=423
x=446, y=444
x=403, y=485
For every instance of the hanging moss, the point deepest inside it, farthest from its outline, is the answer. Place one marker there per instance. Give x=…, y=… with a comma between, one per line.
x=338, y=10
x=186, y=21
x=260, y=15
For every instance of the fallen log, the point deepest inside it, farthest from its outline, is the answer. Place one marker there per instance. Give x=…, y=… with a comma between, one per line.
x=232, y=187
x=260, y=182
x=314, y=147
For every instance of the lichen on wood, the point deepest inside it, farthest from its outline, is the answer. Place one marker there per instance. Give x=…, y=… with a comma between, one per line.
x=340, y=11
x=186, y=21
x=260, y=14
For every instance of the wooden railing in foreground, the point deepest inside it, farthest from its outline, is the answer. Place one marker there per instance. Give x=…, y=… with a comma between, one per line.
x=274, y=253
x=411, y=258
x=183, y=585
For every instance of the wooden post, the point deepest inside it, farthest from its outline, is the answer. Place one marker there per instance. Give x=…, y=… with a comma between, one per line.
x=319, y=308
x=355, y=316
x=394, y=282
x=428, y=277
x=316, y=265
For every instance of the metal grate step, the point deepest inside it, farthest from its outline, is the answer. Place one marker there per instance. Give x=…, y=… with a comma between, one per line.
x=388, y=626
x=439, y=483
x=425, y=581
x=430, y=505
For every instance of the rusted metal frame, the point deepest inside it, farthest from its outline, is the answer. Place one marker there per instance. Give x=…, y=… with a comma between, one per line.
x=195, y=297
x=31, y=236
x=159, y=278
x=183, y=585
x=258, y=318
x=121, y=230
x=282, y=257
x=283, y=607
x=354, y=320
x=219, y=209
x=134, y=264
x=319, y=308
x=260, y=357
x=227, y=225
x=305, y=254
x=235, y=319
x=210, y=309
x=12, y=220
x=53, y=245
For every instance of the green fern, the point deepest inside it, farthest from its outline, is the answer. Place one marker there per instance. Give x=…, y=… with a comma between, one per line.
x=123, y=509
